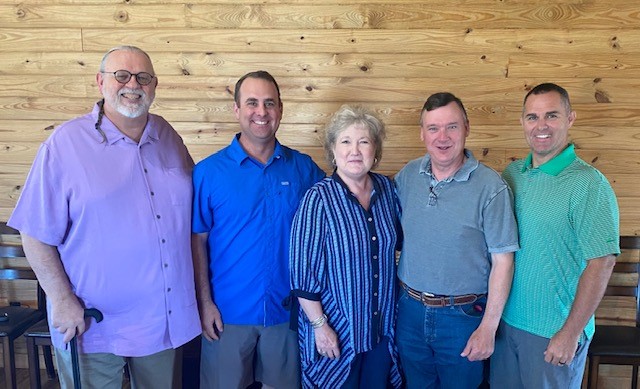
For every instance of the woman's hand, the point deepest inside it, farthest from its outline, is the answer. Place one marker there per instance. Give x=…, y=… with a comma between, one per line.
x=327, y=341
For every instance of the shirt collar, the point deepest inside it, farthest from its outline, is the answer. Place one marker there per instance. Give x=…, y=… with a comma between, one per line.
x=462, y=174
x=150, y=132
x=556, y=164
x=238, y=154
x=375, y=187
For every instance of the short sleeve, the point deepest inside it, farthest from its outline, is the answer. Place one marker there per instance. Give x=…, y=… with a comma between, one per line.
x=42, y=211
x=202, y=214
x=596, y=220
x=500, y=227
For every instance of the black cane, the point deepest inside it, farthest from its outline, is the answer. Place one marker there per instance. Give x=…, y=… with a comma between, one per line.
x=75, y=365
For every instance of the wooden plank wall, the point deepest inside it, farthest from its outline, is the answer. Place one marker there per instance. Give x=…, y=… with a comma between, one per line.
x=386, y=54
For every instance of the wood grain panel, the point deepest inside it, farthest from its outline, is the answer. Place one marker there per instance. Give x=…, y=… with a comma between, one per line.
x=46, y=39
x=394, y=16
x=413, y=16
x=101, y=16
x=577, y=41
x=38, y=63
x=617, y=65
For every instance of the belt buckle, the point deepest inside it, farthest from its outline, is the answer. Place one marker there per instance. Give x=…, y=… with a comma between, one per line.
x=424, y=296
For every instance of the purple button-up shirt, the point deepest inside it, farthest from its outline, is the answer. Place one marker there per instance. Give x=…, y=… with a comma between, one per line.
x=119, y=213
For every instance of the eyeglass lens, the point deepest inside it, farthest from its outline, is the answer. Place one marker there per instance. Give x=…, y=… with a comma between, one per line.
x=123, y=76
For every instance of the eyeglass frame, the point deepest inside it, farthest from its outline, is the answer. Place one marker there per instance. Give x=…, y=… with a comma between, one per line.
x=130, y=75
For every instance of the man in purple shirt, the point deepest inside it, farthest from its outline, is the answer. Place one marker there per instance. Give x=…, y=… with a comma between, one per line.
x=105, y=222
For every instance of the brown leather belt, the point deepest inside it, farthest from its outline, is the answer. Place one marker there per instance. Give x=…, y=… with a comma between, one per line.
x=440, y=301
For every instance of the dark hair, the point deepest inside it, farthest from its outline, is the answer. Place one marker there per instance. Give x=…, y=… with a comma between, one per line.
x=441, y=99
x=550, y=87
x=262, y=74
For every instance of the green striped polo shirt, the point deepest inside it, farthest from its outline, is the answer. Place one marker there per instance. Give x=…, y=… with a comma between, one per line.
x=567, y=214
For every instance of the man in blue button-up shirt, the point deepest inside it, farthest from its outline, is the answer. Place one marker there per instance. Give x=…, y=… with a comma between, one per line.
x=245, y=197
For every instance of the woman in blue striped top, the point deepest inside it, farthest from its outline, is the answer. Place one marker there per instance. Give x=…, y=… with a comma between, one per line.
x=343, y=244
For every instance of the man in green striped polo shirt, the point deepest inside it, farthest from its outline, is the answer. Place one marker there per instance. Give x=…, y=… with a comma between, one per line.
x=568, y=224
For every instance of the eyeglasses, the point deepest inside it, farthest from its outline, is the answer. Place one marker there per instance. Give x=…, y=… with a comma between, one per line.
x=123, y=76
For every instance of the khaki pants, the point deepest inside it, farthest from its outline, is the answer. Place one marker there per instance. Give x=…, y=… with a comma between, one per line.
x=105, y=371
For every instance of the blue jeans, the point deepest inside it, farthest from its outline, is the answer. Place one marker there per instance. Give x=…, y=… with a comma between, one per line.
x=430, y=341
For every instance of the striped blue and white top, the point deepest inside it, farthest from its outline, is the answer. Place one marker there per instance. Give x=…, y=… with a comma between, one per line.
x=344, y=256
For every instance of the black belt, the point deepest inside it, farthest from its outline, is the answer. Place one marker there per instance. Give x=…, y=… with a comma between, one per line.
x=440, y=301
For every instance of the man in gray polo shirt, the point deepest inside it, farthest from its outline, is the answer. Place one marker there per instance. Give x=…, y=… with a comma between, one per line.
x=456, y=265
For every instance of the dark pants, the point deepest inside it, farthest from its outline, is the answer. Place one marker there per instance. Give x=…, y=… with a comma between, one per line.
x=370, y=369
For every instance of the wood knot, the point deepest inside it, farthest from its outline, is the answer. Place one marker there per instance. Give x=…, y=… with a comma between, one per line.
x=122, y=16
x=601, y=97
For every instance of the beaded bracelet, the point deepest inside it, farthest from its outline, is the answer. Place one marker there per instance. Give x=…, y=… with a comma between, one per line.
x=319, y=322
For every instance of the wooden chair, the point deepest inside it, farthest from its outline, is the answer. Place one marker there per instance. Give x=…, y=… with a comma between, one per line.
x=38, y=335
x=619, y=344
x=14, y=318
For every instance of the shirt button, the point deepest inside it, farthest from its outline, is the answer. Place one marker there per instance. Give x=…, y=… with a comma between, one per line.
x=163, y=240
x=158, y=216
x=168, y=289
x=375, y=276
x=166, y=265
x=375, y=294
x=152, y=194
x=373, y=238
x=369, y=219
x=169, y=312
x=375, y=313
x=145, y=170
x=375, y=257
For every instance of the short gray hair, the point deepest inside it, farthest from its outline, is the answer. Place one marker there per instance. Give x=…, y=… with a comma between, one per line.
x=134, y=49
x=347, y=116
